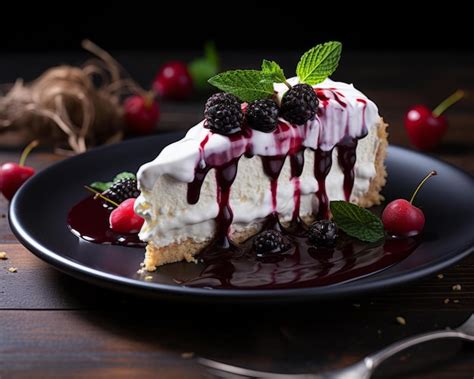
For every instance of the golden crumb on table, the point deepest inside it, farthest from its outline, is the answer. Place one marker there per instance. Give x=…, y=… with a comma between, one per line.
x=401, y=320
x=12, y=269
x=3, y=255
x=148, y=277
x=187, y=355
x=440, y=276
x=457, y=287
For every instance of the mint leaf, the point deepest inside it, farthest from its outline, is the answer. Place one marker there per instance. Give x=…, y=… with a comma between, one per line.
x=273, y=71
x=318, y=63
x=101, y=186
x=247, y=85
x=124, y=175
x=356, y=221
x=201, y=69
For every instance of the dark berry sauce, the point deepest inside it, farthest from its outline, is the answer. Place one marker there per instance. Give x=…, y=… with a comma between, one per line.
x=303, y=266
x=90, y=220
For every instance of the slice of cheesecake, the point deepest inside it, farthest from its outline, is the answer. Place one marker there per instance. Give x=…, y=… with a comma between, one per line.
x=208, y=185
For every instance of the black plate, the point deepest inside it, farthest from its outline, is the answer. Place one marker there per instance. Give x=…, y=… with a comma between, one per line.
x=39, y=210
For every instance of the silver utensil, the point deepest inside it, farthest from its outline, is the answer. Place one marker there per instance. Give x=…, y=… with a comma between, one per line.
x=360, y=370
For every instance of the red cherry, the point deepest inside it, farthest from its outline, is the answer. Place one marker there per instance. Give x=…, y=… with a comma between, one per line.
x=425, y=128
x=173, y=81
x=13, y=175
x=141, y=113
x=123, y=219
x=401, y=218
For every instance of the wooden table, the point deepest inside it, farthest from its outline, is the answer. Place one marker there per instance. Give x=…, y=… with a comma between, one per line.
x=54, y=326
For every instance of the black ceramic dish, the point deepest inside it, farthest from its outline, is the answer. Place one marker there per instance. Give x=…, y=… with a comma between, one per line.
x=39, y=210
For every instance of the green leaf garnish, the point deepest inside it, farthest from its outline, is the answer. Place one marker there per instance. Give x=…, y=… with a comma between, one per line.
x=273, y=71
x=356, y=221
x=201, y=69
x=124, y=175
x=319, y=62
x=101, y=186
x=104, y=186
x=247, y=85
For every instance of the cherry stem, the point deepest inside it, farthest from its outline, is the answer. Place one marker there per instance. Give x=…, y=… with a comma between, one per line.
x=27, y=151
x=98, y=194
x=287, y=84
x=446, y=103
x=432, y=173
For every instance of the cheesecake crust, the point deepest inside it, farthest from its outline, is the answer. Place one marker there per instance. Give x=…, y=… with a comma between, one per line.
x=156, y=256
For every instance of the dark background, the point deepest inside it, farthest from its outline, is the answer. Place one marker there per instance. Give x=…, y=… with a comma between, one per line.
x=234, y=25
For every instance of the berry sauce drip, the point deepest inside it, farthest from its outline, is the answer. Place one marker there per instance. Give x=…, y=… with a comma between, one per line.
x=272, y=166
x=90, y=220
x=303, y=266
x=322, y=166
x=225, y=176
x=296, y=164
x=347, y=157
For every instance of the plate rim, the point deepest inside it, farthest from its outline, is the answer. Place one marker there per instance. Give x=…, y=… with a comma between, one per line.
x=141, y=287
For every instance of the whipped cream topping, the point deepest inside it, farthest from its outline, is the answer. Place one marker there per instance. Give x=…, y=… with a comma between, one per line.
x=344, y=112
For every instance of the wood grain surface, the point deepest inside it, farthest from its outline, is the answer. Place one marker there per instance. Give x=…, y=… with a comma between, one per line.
x=54, y=326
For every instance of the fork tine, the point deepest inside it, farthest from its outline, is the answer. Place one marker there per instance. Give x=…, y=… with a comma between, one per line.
x=246, y=372
x=468, y=326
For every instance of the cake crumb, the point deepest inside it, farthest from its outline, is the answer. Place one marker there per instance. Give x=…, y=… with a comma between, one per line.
x=187, y=355
x=3, y=215
x=3, y=255
x=456, y=301
x=446, y=301
x=440, y=276
x=401, y=320
x=356, y=305
x=12, y=269
x=148, y=277
x=457, y=287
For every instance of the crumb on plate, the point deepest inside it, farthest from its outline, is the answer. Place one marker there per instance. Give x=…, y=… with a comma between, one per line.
x=401, y=320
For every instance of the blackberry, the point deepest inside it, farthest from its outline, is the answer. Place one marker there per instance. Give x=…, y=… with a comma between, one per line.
x=223, y=114
x=323, y=233
x=121, y=190
x=262, y=115
x=270, y=242
x=299, y=104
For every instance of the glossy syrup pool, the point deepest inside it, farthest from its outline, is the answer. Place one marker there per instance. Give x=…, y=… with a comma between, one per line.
x=235, y=266
x=302, y=266
x=89, y=220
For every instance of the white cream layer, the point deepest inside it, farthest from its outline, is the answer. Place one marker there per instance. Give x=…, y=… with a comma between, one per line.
x=163, y=182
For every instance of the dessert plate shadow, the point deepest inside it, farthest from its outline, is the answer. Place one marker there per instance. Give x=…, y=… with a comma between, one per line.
x=39, y=210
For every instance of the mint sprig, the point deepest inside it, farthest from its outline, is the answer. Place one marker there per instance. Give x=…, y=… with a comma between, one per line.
x=319, y=62
x=104, y=186
x=247, y=85
x=356, y=221
x=101, y=186
x=273, y=71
